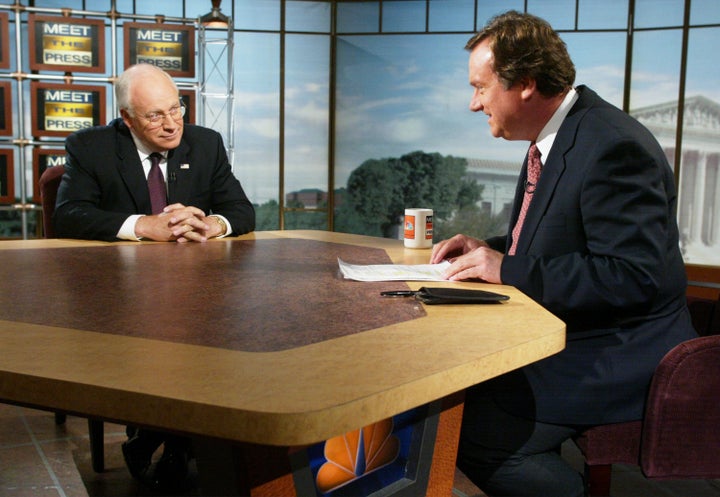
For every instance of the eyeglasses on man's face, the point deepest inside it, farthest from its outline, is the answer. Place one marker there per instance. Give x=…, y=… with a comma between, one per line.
x=155, y=119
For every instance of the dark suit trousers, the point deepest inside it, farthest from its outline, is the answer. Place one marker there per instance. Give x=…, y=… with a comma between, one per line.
x=507, y=455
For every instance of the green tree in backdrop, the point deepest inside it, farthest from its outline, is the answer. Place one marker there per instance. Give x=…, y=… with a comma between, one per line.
x=378, y=191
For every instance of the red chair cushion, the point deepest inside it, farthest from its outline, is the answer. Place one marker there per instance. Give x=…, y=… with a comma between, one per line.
x=613, y=443
x=681, y=433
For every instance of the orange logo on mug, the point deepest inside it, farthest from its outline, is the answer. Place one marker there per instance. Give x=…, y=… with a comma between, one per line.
x=410, y=227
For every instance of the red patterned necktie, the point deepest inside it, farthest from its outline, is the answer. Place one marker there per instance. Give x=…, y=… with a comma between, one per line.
x=156, y=184
x=534, y=167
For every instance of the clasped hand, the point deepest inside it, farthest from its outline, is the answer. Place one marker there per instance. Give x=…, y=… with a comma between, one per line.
x=178, y=223
x=470, y=258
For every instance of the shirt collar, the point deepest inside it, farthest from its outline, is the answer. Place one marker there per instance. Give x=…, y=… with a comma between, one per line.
x=144, y=151
x=547, y=135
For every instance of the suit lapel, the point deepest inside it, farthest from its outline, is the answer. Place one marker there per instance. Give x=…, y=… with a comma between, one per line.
x=553, y=168
x=178, y=168
x=131, y=171
x=551, y=172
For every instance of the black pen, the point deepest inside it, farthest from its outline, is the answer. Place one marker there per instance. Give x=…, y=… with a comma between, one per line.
x=398, y=293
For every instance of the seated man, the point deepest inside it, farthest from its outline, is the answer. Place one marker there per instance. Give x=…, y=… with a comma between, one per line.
x=105, y=191
x=593, y=239
x=147, y=176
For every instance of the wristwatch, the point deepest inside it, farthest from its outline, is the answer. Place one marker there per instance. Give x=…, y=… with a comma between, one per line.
x=223, y=225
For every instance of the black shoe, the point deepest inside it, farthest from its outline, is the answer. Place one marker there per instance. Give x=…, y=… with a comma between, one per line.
x=171, y=471
x=138, y=452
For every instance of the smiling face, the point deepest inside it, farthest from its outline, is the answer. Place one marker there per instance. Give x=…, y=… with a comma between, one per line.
x=505, y=107
x=151, y=91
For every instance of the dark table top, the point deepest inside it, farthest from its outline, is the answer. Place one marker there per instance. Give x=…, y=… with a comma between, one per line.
x=250, y=295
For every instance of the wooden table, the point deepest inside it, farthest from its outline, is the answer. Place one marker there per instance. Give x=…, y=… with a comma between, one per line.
x=254, y=345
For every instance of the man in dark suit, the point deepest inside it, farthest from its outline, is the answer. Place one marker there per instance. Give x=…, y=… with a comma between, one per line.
x=104, y=192
x=596, y=244
x=147, y=176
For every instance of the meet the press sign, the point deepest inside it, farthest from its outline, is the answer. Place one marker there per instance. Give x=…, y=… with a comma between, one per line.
x=170, y=47
x=59, y=110
x=66, y=44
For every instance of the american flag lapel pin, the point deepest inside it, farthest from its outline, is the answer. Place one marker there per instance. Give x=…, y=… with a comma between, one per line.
x=184, y=166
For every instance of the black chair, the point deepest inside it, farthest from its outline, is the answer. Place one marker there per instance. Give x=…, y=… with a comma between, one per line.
x=705, y=315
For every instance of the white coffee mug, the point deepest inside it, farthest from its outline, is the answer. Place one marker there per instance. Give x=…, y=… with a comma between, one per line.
x=418, y=228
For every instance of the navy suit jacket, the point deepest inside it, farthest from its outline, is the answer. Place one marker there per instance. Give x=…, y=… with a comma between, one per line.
x=599, y=248
x=104, y=182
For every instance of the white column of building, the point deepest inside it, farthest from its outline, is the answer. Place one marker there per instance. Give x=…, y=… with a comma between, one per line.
x=698, y=199
x=713, y=213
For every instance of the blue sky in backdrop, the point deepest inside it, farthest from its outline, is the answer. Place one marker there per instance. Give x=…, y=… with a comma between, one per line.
x=400, y=93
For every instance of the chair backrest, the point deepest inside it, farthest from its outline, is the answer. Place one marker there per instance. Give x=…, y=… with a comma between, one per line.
x=49, y=182
x=681, y=430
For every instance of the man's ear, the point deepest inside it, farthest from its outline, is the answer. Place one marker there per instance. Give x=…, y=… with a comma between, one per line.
x=126, y=118
x=528, y=87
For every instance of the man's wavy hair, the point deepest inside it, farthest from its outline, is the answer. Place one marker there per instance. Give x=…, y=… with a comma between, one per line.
x=524, y=45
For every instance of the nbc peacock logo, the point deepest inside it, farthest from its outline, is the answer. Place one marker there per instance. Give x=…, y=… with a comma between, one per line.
x=357, y=453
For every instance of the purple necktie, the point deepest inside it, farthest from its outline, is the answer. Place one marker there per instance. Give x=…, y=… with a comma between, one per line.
x=156, y=184
x=534, y=167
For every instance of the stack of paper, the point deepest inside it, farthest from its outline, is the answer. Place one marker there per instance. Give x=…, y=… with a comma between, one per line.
x=393, y=272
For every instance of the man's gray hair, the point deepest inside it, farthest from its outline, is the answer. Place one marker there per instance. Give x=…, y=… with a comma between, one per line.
x=131, y=75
